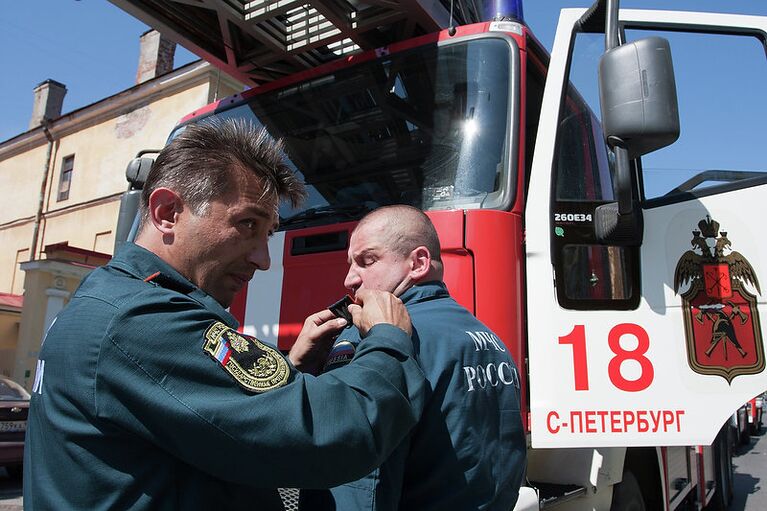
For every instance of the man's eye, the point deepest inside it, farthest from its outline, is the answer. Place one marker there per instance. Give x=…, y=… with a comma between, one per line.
x=249, y=224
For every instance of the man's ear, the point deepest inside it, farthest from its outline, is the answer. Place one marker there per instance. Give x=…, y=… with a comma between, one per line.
x=164, y=206
x=420, y=263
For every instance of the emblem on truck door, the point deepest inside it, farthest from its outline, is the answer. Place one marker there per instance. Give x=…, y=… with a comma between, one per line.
x=720, y=315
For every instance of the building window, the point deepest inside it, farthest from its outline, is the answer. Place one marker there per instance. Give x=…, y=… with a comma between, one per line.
x=65, y=182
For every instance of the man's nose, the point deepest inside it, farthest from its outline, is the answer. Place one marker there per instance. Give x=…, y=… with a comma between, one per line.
x=352, y=280
x=259, y=256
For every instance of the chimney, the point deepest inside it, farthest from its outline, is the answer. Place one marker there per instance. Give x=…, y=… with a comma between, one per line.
x=155, y=56
x=49, y=98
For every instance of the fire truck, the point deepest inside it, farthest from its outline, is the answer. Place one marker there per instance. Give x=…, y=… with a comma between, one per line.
x=628, y=293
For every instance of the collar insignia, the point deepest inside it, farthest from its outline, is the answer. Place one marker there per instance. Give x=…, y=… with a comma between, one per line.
x=720, y=314
x=255, y=366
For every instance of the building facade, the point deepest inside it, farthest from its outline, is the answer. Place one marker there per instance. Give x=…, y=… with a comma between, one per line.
x=61, y=182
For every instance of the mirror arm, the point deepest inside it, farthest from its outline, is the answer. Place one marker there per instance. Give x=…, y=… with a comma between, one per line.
x=611, y=25
x=620, y=222
x=623, y=180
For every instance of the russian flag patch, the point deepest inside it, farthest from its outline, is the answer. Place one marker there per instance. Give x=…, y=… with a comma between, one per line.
x=341, y=354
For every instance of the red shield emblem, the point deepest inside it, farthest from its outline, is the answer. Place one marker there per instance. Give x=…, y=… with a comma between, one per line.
x=720, y=315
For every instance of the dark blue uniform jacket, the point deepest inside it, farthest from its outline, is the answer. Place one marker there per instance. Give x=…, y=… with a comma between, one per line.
x=133, y=414
x=468, y=451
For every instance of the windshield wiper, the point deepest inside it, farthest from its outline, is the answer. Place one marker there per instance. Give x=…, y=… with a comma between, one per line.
x=336, y=212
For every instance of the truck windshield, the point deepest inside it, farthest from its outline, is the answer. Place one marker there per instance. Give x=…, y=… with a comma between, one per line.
x=425, y=127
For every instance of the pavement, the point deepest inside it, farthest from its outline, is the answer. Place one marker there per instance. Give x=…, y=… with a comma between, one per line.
x=750, y=462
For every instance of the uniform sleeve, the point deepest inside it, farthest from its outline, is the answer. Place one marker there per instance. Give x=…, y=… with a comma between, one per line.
x=155, y=381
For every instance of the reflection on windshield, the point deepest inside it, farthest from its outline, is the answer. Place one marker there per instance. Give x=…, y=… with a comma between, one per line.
x=426, y=127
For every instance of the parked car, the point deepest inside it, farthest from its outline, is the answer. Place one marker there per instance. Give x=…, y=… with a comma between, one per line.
x=14, y=407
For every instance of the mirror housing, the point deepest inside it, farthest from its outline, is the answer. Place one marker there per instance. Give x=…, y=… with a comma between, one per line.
x=640, y=114
x=614, y=228
x=128, y=219
x=637, y=95
x=137, y=171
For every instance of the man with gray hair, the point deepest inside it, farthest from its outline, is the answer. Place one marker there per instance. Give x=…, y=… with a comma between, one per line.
x=468, y=451
x=150, y=398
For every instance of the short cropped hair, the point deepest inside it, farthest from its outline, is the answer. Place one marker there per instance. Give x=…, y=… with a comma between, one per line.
x=200, y=165
x=405, y=229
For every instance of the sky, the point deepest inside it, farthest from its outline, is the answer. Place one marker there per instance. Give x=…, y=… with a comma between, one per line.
x=92, y=46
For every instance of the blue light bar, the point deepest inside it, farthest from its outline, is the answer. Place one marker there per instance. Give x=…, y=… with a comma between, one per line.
x=497, y=10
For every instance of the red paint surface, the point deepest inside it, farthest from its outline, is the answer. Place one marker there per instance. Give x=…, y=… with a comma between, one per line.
x=311, y=282
x=458, y=263
x=237, y=308
x=494, y=239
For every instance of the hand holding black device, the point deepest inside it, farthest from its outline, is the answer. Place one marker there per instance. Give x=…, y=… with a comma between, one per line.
x=341, y=309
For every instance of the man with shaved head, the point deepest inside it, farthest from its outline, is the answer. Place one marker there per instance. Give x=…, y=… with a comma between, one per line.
x=468, y=451
x=405, y=239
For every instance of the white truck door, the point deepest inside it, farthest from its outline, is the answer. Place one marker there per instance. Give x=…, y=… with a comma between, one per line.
x=655, y=344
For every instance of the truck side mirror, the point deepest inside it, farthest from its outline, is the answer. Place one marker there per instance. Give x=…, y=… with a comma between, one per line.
x=127, y=220
x=637, y=95
x=138, y=170
x=640, y=114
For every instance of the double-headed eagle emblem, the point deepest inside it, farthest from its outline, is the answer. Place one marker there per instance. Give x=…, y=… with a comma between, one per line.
x=721, y=318
x=690, y=266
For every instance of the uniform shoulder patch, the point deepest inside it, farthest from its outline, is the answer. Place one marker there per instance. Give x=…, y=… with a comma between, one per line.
x=254, y=365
